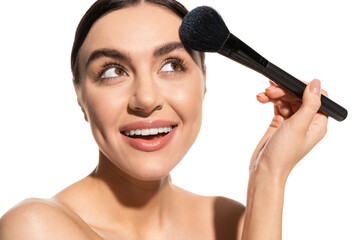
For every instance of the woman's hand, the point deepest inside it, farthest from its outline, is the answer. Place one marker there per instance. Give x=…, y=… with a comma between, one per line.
x=295, y=129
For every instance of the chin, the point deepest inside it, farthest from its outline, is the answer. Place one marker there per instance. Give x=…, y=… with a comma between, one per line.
x=152, y=172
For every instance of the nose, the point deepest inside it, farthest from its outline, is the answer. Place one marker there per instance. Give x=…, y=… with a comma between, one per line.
x=146, y=97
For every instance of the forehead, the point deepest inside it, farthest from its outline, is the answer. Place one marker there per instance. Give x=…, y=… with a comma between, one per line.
x=136, y=28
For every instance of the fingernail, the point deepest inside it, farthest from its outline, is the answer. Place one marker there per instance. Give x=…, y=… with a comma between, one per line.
x=259, y=95
x=315, y=86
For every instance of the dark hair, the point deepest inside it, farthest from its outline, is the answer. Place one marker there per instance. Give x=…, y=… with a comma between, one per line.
x=101, y=8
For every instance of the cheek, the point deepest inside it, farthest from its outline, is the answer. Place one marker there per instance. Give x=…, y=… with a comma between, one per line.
x=187, y=101
x=104, y=109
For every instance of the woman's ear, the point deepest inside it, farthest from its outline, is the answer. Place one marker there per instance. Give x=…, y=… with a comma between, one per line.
x=204, y=73
x=79, y=101
x=82, y=109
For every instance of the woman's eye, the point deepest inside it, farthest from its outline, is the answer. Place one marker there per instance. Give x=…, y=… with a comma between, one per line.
x=113, y=73
x=171, y=67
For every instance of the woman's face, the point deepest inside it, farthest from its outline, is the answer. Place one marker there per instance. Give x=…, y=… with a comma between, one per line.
x=137, y=83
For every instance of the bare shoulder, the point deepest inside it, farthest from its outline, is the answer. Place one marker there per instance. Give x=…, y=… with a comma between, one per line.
x=226, y=208
x=228, y=218
x=222, y=206
x=224, y=215
x=41, y=219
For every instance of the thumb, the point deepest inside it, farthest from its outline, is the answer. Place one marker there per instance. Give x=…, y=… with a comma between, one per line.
x=311, y=103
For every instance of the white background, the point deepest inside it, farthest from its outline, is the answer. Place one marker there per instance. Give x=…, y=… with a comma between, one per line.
x=46, y=145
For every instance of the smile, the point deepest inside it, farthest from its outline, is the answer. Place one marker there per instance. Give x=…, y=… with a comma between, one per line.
x=148, y=131
x=149, y=136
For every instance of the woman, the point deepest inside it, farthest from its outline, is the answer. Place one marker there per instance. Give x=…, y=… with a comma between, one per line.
x=141, y=92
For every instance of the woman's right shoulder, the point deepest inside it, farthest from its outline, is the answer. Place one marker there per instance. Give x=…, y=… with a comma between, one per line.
x=40, y=219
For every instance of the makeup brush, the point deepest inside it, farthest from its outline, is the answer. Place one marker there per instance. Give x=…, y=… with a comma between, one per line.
x=204, y=30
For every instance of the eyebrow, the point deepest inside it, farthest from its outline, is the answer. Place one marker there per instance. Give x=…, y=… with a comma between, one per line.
x=106, y=52
x=113, y=53
x=167, y=48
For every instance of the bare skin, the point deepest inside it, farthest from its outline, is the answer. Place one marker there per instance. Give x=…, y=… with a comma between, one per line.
x=124, y=198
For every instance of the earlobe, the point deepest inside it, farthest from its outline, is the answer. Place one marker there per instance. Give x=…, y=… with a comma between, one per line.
x=78, y=95
x=82, y=109
x=205, y=90
x=204, y=72
x=85, y=116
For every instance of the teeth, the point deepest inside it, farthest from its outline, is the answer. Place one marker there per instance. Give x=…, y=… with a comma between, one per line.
x=145, y=132
x=148, y=131
x=153, y=131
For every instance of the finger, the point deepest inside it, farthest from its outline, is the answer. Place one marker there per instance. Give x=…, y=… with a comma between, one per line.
x=295, y=106
x=284, y=109
x=325, y=93
x=310, y=106
x=278, y=118
x=317, y=130
x=275, y=92
x=278, y=92
x=272, y=83
x=263, y=98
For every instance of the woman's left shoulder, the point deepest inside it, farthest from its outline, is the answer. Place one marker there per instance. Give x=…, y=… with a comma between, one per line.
x=223, y=216
x=222, y=209
x=227, y=205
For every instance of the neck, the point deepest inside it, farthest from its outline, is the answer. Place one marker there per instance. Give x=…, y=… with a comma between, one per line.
x=146, y=202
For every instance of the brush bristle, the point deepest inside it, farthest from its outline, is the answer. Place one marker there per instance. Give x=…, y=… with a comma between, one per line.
x=203, y=30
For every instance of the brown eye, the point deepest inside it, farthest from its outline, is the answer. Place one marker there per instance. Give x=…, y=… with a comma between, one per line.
x=120, y=71
x=171, y=67
x=175, y=66
x=114, y=72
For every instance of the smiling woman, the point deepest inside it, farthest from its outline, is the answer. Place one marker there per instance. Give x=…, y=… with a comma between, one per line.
x=161, y=86
x=142, y=92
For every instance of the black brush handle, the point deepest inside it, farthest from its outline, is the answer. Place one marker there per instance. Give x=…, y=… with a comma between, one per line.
x=297, y=87
x=238, y=51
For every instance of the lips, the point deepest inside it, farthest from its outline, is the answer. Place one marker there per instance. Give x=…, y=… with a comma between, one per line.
x=149, y=136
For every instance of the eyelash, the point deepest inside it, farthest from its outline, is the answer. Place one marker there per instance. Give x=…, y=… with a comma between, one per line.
x=183, y=67
x=108, y=65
